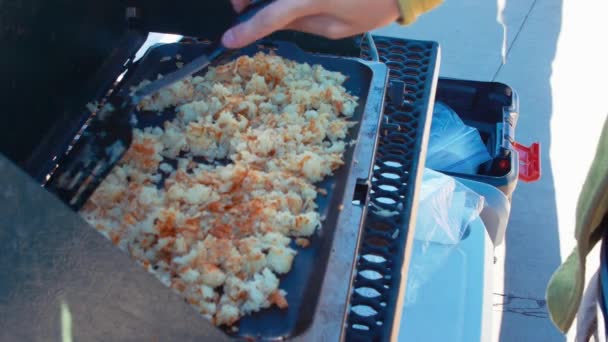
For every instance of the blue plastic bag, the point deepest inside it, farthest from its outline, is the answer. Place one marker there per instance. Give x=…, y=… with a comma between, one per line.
x=454, y=146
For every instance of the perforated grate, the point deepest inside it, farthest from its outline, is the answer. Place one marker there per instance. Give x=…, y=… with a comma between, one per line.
x=399, y=162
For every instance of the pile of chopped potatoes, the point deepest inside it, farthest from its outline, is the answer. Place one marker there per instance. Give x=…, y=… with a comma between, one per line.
x=220, y=232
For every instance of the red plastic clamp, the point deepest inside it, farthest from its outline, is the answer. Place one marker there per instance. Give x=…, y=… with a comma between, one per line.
x=529, y=161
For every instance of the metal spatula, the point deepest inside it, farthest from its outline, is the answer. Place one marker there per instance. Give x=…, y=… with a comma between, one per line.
x=108, y=135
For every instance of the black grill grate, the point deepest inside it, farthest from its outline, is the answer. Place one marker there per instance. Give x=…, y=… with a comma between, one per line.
x=383, y=253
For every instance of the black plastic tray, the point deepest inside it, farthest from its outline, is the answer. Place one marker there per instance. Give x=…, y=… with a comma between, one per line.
x=303, y=283
x=383, y=255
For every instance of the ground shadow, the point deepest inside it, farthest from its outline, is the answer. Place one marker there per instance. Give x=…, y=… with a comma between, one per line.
x=532, y=250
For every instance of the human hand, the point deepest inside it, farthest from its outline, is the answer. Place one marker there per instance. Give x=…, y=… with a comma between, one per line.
x=329, y=18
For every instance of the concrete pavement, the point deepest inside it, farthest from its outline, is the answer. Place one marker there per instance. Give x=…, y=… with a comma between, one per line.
x=556, y=61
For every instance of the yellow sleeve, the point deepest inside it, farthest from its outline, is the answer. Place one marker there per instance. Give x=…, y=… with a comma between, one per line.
x=411, y=9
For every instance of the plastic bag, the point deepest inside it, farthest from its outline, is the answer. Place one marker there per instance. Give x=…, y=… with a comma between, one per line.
x=445, y=210
x=454, y=146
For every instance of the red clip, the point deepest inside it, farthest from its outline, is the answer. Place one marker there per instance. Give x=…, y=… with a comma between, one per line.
x=529, y=162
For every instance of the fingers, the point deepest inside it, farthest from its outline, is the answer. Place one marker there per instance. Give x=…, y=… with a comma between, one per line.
x=323, y=25
x=270, y=19
x=239, y=5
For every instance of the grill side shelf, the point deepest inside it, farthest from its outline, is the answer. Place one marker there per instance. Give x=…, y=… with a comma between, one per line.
x=379, y=283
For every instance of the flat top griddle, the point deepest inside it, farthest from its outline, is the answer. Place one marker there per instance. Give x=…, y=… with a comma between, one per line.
x=343, y=218
x=50, y=255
